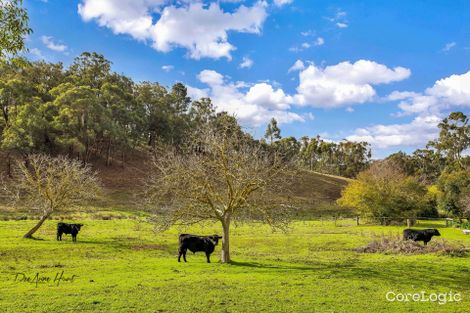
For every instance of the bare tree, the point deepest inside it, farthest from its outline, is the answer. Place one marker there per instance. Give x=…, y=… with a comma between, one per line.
x=49, y=184
x=224, y=177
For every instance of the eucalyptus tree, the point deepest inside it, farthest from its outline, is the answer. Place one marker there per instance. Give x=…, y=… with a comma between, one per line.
x=13, y=28
x=454, y=138
x=272, y=131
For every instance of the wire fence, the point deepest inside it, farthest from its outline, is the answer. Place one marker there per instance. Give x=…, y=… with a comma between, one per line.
x=392, y=221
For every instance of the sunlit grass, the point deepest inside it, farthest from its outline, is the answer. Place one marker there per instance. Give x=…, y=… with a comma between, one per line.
x=122, y=265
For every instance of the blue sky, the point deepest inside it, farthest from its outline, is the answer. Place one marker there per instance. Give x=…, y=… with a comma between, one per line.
x=381, y=71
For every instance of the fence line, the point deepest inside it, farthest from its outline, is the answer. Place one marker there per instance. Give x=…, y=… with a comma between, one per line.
x=410, y=221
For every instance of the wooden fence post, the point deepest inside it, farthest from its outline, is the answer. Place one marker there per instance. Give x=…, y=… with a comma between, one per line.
x=334, y=219
x=357, y=220
x=408, y=222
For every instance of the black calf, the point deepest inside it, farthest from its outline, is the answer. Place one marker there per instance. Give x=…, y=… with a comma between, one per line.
x=64, y=228
x=424, y=235
x=197, y=243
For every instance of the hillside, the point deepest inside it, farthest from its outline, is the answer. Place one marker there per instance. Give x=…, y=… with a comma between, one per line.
x=317, y=192
x=121, y=181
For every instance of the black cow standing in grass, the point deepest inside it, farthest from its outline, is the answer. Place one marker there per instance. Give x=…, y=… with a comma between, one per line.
x=64, y=228
x=424, y=235
x=197, y=243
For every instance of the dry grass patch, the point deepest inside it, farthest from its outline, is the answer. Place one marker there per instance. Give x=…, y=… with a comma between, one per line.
x=396, y=245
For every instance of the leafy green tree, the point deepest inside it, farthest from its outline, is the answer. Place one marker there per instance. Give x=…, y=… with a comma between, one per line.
x=13, y=27
x=26, y=132
x=122, y=117
x=288, y=148
x=90, y=69
x=454, y=138
x=385, y=191
x=202, y=112
x=151, y=97
x=454, y=185
x=78, y=119
x=272, y=131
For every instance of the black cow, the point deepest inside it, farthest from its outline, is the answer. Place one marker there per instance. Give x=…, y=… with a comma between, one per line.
x=64, y=228
x=197, y=243
x=424, y=235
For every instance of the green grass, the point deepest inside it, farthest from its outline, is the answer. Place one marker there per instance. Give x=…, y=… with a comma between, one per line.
x=123, y=266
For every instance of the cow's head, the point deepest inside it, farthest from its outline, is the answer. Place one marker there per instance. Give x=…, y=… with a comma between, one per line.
x=78, y=226
x=435, y=232
x=215, y=239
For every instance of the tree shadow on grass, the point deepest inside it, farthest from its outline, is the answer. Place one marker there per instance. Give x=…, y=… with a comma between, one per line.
x=273, y=266
x=35, y=238
x=402, y=274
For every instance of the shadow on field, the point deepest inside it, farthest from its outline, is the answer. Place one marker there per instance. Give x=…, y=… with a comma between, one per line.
x=415, y=274
x=404, y=274
x=272, y=266
x=35, y=238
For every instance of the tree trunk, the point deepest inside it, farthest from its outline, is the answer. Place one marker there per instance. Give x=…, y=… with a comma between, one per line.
x=225, y=258
x=9, y=172
x=38, y=225
x=108, y=153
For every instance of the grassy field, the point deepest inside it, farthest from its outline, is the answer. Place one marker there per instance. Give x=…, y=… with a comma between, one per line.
x=121, y=265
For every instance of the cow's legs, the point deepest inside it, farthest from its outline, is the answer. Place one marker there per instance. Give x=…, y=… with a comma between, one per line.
x=59, y=236
x=181, y=252
x=74, y=238
x=208, y=255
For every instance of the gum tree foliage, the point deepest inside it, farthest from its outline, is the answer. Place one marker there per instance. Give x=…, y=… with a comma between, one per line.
x=454, y=138
x=86, y=111
x=273, y=132
x=443, y=165
x=445, y=153
x=13, y=27
x=221, y=176
x=454, y=186
x=89, y=112
x=345, y=158
x=47, y=185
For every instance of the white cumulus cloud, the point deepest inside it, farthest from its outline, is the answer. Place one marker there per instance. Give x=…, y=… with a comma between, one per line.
x=319, y=41
x=280, y=3
x=345, y=83
x=246, y=63
x=428, y=107
x=414, y=134
x=449, y=46
x=297, y=66
x=446, y=93
x=168, y=68
x=201, y=29
x=49, y=42
x=252, y=104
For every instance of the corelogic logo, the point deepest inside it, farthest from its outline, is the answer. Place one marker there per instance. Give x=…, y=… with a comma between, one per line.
x=423, y=296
